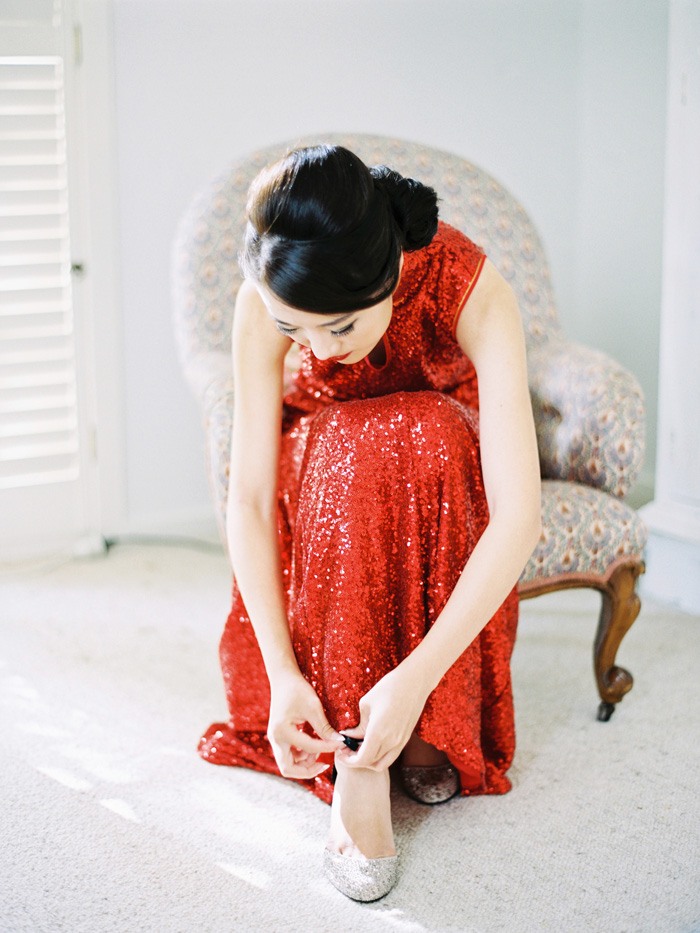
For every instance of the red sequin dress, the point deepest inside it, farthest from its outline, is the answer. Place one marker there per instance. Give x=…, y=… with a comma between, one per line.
x=381, y=502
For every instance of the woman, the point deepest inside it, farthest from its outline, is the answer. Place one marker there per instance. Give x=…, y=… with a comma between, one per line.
x=380, y=510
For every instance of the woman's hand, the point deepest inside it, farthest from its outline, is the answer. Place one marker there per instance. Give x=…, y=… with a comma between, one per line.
x=388, y=715
x=293, y=704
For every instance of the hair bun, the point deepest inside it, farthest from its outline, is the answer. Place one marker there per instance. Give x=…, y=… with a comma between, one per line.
x=413, y=205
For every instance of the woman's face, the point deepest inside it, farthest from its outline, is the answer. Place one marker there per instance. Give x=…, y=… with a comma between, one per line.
x=346, y=338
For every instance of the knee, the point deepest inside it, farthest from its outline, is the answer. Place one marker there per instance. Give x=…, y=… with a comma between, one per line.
x=407, y=408
x=422, y=421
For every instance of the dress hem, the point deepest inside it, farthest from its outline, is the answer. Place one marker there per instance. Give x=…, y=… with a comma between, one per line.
x=222, y=745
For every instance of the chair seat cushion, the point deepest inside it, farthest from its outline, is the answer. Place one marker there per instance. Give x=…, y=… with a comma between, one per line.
x=586, y=533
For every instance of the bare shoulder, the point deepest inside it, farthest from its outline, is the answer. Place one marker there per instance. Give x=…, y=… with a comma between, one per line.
x=253, y=329
x=250, y=308
x=490, y=312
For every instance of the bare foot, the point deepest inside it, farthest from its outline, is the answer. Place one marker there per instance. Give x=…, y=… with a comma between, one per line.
x=361, y=813
x=418, y=753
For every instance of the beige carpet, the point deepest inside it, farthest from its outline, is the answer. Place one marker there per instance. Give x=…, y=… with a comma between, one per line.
x=108, y=673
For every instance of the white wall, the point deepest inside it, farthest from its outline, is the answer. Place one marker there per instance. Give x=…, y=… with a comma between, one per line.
x=673, y=518
x=563, y=102
x=621, y=149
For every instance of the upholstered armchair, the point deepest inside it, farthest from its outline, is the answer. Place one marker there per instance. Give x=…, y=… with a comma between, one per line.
x=588, y=410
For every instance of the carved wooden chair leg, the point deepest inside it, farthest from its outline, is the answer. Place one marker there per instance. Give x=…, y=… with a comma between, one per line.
x=619, y=610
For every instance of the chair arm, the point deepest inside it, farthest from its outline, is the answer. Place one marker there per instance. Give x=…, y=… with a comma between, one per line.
x=210, y=377
x=589, y=415
x=206, y=374
x=218, y=420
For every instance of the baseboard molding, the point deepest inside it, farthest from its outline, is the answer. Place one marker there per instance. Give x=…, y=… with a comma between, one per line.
x=198, y=524
x=673, y=573
x=198, y=528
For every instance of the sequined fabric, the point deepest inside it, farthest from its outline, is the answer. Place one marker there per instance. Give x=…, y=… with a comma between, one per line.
x=361, y=879
x=381, y=502
x=432, y=784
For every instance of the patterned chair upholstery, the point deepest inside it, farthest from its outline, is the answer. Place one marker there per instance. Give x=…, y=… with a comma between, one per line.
x=589, y=411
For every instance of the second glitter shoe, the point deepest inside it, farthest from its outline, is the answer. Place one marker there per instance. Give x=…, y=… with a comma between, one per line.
x=430, y=784
x=361, y=879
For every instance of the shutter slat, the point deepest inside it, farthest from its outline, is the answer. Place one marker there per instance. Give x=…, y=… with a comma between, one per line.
x=34, y=357
x=37, y=85
x=58, y=380
x=27, y=188
x=34, y=210
x=36, y=259
x=35, y=309
x=36, y=333
x=37, y=355
x=40, y=448
x=35, y=403
x=40, y=12
x=38, y=284
x=57, y=233
x=65, y=474
x=40, y=426
x=18, y=136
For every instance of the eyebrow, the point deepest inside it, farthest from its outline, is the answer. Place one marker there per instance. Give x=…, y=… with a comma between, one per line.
x=333, y=323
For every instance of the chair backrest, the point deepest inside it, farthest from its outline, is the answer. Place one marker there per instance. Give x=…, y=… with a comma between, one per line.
x=206, y=276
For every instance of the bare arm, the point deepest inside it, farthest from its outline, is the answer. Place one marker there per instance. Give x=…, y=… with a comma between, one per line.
x=252, y=532
x=251, y=517
x=490, y=333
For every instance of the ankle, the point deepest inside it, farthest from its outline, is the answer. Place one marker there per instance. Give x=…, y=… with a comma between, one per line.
x=361, y=814
x=420, y=754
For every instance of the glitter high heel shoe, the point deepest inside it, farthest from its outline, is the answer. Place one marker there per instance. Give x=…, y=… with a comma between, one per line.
x=430, y=783
x=361, y=879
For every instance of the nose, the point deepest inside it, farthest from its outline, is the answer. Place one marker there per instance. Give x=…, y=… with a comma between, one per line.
x=324, y=346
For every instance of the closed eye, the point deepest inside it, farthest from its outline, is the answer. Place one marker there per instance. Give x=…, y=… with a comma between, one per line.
x=287, y=331
x=344, y=331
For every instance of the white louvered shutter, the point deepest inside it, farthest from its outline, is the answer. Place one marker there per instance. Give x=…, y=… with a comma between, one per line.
x=39, y=429
x=41, y=497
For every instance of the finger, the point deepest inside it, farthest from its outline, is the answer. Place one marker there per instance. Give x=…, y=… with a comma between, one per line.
x=364, y=758
x=305, y=772
x=357, y=732
x=375, y=753
x=364, y=739
x=292, y=767
x=306, y=758
x=306, y=743
x=325, y=731
x=367, y=755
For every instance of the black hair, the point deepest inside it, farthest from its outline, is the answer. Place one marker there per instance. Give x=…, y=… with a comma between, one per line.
x=325, y=233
